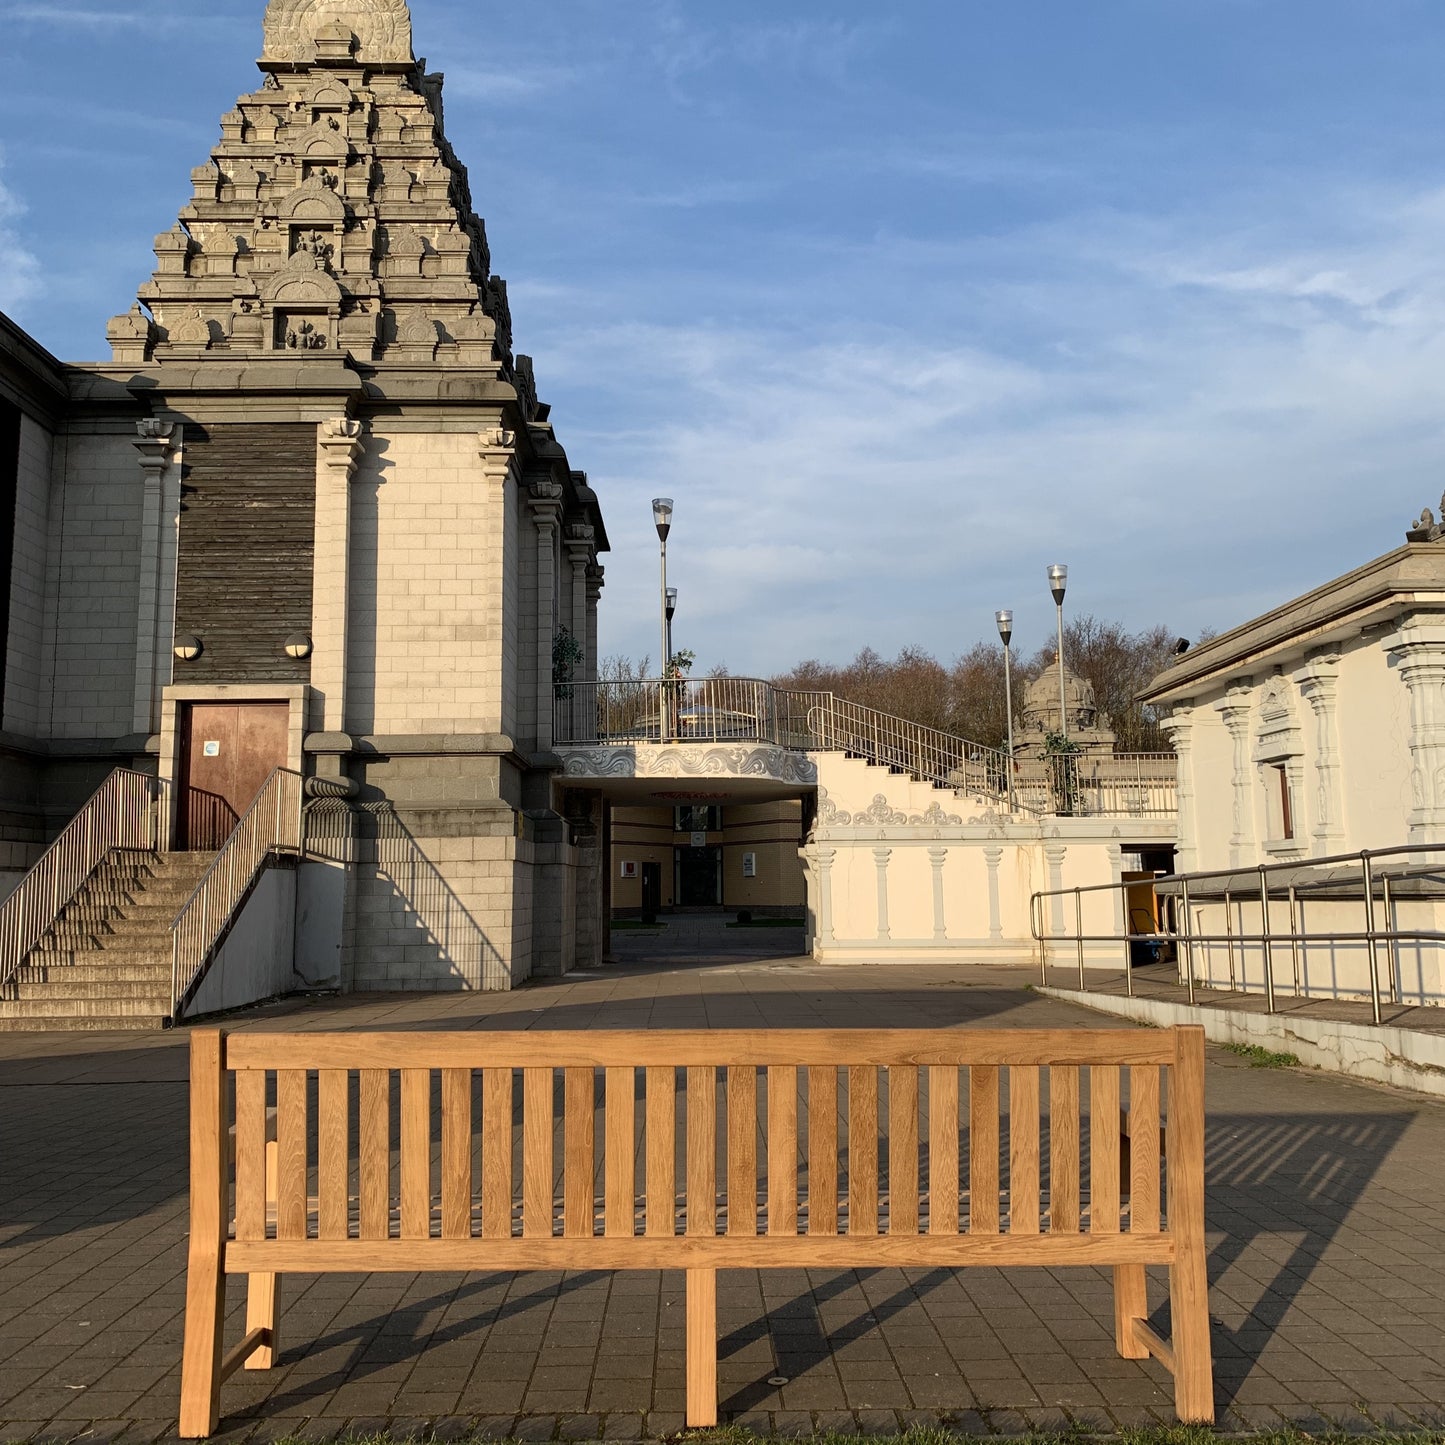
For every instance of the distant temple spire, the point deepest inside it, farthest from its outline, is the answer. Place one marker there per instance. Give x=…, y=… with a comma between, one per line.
x=299, y=32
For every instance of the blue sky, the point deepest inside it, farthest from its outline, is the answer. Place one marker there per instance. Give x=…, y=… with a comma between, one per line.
x=901, y=303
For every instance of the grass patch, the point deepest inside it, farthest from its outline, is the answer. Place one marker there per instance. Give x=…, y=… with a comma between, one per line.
x=1260, y=1057
x=769, y=923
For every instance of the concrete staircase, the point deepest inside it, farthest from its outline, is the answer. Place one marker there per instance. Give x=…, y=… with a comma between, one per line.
x=107, y=962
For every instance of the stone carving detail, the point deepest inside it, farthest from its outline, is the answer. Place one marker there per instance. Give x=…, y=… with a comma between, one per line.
x=305, y=335
x=195, y=330
x=131, y=337
x=382, y=29
x=654, y=761
x=1426, y=528
x=882, y=814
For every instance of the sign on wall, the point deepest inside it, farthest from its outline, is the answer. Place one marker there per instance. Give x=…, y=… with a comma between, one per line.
x=629, y=870
x=750, y=865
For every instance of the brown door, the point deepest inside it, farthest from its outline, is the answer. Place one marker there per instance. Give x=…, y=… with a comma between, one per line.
x=228, y=750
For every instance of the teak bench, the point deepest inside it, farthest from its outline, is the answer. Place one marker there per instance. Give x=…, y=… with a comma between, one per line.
x=347, y=1171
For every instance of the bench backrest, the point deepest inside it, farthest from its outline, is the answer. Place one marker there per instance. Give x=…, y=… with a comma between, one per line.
x=816, y=1134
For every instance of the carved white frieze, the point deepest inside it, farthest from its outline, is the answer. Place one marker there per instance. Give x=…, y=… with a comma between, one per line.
x=658, y=761
x=382, y=29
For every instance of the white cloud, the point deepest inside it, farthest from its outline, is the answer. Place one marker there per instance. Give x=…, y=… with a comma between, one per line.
x=19, y=269
x=1204, y=420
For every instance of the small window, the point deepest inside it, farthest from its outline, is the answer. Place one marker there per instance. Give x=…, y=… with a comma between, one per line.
x=699, y=820
x=1286, y=803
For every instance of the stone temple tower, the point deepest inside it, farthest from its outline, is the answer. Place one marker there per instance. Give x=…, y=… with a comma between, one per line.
x=314, y=516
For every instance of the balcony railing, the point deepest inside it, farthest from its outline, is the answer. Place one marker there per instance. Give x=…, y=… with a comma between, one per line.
x=736, y=709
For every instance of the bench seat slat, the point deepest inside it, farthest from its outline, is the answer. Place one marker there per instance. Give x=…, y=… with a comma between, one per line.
x=496, y=1153
x=1023, y=1134
x=782, y=1192
x=702, y=1150
x=661, y=1152
x=333, y=1161
x=903, y=1149
x=619, y=1160
x=943, y=1150
x=415, y=1153
x=1104, y=1150
x=1144, y=1184
x=1064, y=1192
x=983, y=1147
x=291, y=1154
x=743, y=1150
x=862, y=1149
x=251, y=1155
x=822, y=1149
x=579, y=1152
x=719, y=1252
x=456, y=1220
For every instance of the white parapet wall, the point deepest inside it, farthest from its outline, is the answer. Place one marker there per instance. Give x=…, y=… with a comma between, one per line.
x=901, y=871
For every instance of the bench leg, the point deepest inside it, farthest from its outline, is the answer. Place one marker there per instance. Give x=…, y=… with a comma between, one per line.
x=1131, y=1302
x=205, y=1270
x=262, y=1309
x=701, y=1348
x=1193, y=1353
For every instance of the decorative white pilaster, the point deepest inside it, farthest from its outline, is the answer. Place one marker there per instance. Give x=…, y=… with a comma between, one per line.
x=596, y=581
x=993, y=857
x=881, y=857
x=1420, y=647
x=1235, y=710
x=339, y=446
x=824, y=859
x=1116, y=874
x=1180, y=728
x=1319, y=683
x=545, y=501
x=937, y=857
x=158, y=443
x=1054, y=855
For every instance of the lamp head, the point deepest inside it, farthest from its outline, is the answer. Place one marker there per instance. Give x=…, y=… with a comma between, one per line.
x=1058, y=582
x=671, y=603
x=662, y=516
x=1005, y=620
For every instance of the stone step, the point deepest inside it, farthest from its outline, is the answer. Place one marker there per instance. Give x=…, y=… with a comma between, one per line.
x=69, y=990
x=122, y=970
x=95, y=956
x=53, y=1024
x=152, y=1003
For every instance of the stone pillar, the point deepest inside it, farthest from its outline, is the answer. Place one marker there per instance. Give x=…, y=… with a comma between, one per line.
x=1116, y=873
x=1420, y=647
x=1319, y=683
x=596, y=580
x=1235, y=709
x=545, y=500
x=993, y=856
x=581, y=552
x=339, y=448
x=1180, y=729
x=938, y=857
x=881, y=857
x=158, y=443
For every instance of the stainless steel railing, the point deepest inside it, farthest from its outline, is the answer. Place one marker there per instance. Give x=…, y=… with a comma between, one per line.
x=128, y=812
x=272, y=825
x=1278, y=896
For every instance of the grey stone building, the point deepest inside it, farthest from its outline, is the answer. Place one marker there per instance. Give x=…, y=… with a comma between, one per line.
x=313, y=516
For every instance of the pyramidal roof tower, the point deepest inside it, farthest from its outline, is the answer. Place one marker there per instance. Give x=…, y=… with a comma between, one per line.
x=333, y=221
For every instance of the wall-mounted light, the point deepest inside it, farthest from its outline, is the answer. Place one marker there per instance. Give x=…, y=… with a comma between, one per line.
x=298, y=647
x=189, y=648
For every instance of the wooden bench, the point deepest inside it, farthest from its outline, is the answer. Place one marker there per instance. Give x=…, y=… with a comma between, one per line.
x=713, y=1150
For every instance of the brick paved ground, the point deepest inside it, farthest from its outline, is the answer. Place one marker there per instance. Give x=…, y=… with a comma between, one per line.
x=1328, y=1258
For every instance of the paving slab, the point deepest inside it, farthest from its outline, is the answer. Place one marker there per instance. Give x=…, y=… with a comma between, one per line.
x=1327, y=1254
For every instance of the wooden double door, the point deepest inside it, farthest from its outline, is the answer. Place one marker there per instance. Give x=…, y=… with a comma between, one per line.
x=228, y=750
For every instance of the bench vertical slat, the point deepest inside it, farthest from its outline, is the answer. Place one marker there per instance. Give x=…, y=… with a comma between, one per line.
x=822, y=1149
x=661, y=1152
x=742, y=1149
x=1189, y=1275
x=375, y=1167
x=456, y=1153
x=537, y=1153
x=333, y=1155
x=1064, y=1150
x=251, y=1154
x=416, y=1153
x=1144, y=1212
x=783, y=1150
x=291, y=1154
x=579, y=1152
x=1103, y=1150
x=902, y=1150
x=862, y=1149
x=983, y=1145
x=702, y=1150
x=943, y=1149
x=496, y=1153
x=1023, y=1134
x=619, y=1159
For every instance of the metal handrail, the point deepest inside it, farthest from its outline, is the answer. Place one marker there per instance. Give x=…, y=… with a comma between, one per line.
x=272, y=824
x=126, y=813
x=1373, y=879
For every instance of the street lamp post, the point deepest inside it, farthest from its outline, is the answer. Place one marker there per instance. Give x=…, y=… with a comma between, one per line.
x=1005, y=622
x=662, y=518
x=1058, y=583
